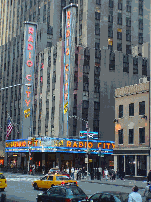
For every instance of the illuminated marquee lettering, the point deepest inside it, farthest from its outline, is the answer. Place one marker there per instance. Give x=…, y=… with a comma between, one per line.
x=67, y=33
x=30, y=47
x=68, y=24
x=29, y=63
x=67, y=51
x=27, y=102
x=66, y=96
x=28, y=93
x=68, y=15
x=30, y=39
x=28, y=78
x=26, y=111
x=29, y=55
x=66, y=67
x=31, y=30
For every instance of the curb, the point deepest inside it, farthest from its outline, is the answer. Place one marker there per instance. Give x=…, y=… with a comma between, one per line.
x=123, y=185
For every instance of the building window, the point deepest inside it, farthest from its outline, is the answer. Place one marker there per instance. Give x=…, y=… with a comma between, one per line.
x=112, y=61
x=120, y=111
x=140, y=38
x=128, y=49
x=97, y=15
x=119, y=35
x=80, y=30
x=131, y=109
x=97, y=29
x=135, y=65
x=131, y=136
x=128, y=35
x=119, y=6
x=119, y=46
x=98, y=2
x=144, y=67
x=120, y=136
x=119, y=19
x=111, y=3
x=97, y=45
x=142, y=108
x=128, y=22
x=141, y=24
x=141, y=135
x=110, y=31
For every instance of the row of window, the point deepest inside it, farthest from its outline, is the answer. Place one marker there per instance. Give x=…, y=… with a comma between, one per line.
x=131, y=109
x=131, y=136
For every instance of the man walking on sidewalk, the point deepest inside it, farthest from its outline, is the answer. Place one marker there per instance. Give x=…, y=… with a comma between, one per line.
x=135, y=196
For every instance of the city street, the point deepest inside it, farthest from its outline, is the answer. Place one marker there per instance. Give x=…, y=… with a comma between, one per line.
x=20, y=189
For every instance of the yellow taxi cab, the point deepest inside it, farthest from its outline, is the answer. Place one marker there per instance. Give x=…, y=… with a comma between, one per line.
x=3, y=183
x=51, y=180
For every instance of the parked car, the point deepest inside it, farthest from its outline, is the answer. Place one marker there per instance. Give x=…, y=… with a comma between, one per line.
x=51, y=180
x=3, y=182
x=110, y=196
x=64, y=193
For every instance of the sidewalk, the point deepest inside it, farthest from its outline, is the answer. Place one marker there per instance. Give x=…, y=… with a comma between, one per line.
x=119, y=182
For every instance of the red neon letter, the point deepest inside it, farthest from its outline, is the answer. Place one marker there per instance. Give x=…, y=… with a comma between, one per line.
x=29, y=63
x=67, y=51
x=66, y=67
x=30, y=39
x=30, y=47
x=66, y=85
x=28, y=78
x=68, y=33
x=28, y=93
x=31, y=30
x=27, y=102
x=66, y=96
x=29, y=55
x=68, y=15
x=67, y=42
x=68, y=24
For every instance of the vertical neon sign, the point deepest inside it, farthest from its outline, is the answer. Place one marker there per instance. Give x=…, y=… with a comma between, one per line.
x=28, y=77
x=67, y=68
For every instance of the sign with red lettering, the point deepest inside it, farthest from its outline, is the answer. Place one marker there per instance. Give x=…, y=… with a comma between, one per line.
x=28, y=76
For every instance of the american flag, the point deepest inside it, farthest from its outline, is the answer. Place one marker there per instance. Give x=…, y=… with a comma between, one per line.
x=9, y=128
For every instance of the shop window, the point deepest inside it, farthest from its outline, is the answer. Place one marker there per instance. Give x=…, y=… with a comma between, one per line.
x=131, y=136
x=141, y=135
x=120, y=111
x=131, y=109
x=142, y=108
x=120, y=136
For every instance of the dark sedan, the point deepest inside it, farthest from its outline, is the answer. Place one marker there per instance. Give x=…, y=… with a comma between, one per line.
x=110, y=196
x=64, y=193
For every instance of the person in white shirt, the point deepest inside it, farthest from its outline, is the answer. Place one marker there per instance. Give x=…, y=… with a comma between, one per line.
x=135, y=196
x=106, y=173
x=72, y=172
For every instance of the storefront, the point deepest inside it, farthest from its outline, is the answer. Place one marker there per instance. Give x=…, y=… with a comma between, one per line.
x=132, y=162
x=61, y=152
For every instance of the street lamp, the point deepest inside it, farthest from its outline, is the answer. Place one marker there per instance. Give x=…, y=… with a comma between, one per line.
x=87, y=127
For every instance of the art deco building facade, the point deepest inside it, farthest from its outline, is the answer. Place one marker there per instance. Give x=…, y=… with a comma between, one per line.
x=101, y=26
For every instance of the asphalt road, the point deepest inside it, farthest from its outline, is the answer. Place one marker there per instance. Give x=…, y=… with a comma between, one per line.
x=20, y=188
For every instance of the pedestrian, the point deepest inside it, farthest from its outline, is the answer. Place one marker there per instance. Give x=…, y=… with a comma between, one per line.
x=43, y=169
x=113, y=174
x=106, y=173
x=67, y=170
x=33, y=169
x=30, y=170
x=135, y=196
x=147, y=192
x=100, y=172
x=72, y=173
x=83, y=172
x=149, y=176
x=110, y=173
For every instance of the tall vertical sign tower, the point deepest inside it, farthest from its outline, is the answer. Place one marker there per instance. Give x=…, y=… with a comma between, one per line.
x=28, y=77
x=69, y=31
